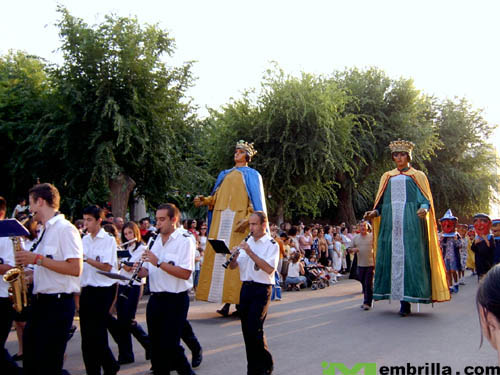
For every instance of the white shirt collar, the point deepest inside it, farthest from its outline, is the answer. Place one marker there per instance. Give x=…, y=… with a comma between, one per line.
x=54, y=220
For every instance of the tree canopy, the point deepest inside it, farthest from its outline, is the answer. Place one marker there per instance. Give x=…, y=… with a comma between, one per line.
x=113, y=121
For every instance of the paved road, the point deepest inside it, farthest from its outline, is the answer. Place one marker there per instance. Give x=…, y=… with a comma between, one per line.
x=309, y=327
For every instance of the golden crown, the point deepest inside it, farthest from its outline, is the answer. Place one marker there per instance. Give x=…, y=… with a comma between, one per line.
x=248, y=147
x=402, y=146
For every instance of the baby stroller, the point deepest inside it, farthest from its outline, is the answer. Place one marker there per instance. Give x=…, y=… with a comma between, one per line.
x=316, y=277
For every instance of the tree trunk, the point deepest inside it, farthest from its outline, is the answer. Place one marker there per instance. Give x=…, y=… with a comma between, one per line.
x=121, y=186
x=345, y=210
x=281, y=213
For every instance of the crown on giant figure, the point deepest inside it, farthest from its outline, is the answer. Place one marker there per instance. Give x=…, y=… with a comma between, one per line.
x=248, y=147
x=402, y=146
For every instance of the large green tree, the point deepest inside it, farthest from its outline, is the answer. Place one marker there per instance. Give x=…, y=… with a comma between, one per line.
x=25, y=102
x=463, y=172
x=126, y=122
x=386, y=109
x=301, y=131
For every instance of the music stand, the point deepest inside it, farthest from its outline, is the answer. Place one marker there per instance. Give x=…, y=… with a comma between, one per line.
x=219, y=246
x=12, y=228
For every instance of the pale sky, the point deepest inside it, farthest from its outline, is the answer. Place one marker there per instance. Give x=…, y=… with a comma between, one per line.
x=449, y=48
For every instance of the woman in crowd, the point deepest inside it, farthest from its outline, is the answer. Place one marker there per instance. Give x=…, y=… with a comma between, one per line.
x=295, y=272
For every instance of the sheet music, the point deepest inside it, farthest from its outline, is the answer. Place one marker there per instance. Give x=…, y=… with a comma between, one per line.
x=226, y=225
x=225, y=230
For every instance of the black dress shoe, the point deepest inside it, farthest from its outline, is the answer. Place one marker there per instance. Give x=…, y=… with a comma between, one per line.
x=17, y=357
x=197, y=358
x=223, y=312
x=114, y=371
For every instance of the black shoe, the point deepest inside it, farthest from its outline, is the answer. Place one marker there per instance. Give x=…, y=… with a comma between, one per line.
x=405, y=309
x=223, y=312
x=17, y=357
x=114, y=371
x=197, y=358
x=65, y=372
x=148, y=355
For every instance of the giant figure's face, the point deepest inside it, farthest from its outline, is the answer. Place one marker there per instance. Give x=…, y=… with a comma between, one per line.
x=448, y=226
x=240, y=156
x=401, y=159
x=482, y=226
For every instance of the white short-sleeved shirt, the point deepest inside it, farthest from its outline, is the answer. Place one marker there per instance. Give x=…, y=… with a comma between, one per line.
x=134, y=257
x=6, y=257
x=103, y=249
x=265, y=248
x=61, y=241
x=179, y=251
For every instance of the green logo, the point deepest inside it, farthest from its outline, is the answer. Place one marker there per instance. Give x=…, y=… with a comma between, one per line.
x=335, y=368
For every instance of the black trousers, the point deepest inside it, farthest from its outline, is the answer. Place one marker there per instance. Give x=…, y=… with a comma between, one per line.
x=365, y=275
x=124, y=326
x=7, y=364
x=190, y=338
x=254, y=302
x=166, y=316
x=95, y=303
x=46, y=333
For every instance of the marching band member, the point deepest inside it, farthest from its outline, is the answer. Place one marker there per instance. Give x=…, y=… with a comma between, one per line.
x=128, y=299
x=257, y=265
x=169, y=265
x=97, y=295
x=58, y=265
x=7, y=363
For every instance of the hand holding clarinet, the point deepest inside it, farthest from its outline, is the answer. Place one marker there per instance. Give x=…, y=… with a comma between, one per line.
x=231, y=261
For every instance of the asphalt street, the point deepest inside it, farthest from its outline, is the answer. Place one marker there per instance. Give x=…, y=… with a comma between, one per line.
x=308, y=328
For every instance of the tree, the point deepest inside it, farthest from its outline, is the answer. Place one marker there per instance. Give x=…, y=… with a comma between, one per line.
x=385, y=110
x=25, y=101
x=126, y=121
x=301, y=132
x=463, y=171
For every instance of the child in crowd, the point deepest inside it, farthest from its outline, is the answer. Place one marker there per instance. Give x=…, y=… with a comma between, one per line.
x=276, y=293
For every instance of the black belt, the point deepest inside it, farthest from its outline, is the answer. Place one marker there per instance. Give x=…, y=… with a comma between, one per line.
x=255, y=283
x=52, y=296
x=165, y=294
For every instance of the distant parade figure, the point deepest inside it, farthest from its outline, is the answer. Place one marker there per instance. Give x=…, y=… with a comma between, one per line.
x=237, y=193
x=495, y=228
x=483, y=245
x=409, y=266
x=451, y=247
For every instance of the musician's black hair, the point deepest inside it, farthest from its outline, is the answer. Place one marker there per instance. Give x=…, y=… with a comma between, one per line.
x=95, y=211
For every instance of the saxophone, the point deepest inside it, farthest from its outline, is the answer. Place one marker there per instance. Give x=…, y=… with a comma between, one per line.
x=16, y=277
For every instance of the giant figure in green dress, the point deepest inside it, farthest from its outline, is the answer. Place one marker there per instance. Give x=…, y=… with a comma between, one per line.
x=409, y=265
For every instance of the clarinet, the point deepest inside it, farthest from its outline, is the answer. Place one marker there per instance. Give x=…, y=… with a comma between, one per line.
x=236, y=252
x=134, y=277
